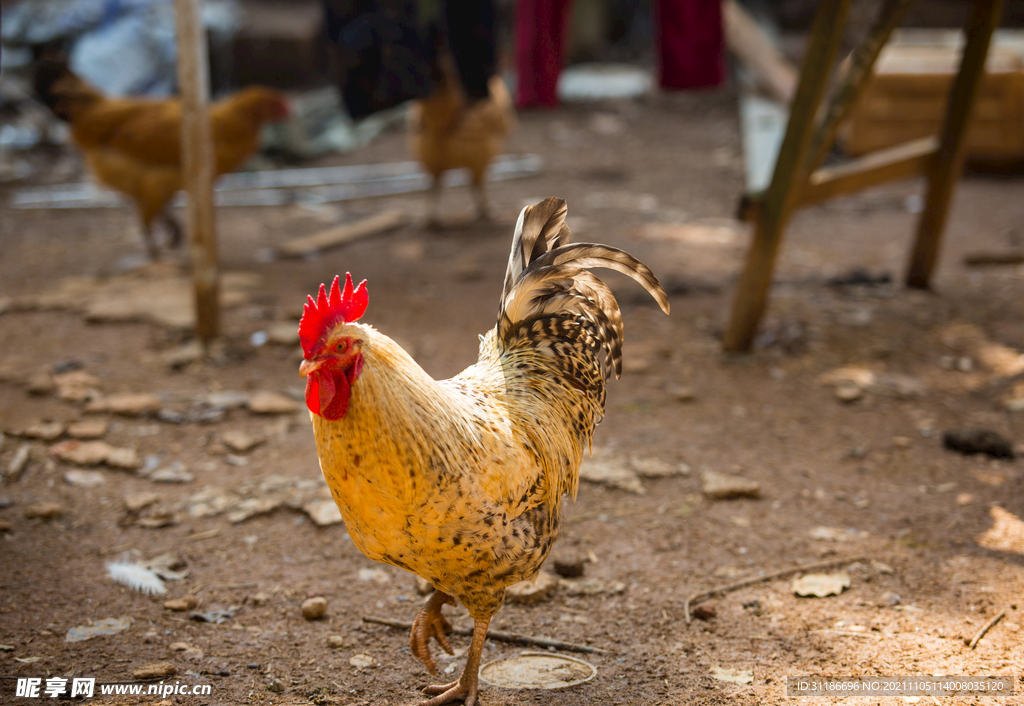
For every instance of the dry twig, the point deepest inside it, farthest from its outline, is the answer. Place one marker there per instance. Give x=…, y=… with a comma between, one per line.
x=721, y=590
x=499, y=635
x=985, y=628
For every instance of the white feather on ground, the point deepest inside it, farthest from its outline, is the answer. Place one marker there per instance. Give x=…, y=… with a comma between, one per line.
x=136, y=577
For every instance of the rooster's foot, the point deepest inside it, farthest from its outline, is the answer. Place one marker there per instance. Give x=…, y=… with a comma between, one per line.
x=456, y=691
x=430, y=623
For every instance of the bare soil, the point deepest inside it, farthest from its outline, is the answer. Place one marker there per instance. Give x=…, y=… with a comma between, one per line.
x=660, y=178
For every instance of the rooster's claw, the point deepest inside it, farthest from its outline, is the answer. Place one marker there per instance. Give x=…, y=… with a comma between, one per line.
x=430, y=623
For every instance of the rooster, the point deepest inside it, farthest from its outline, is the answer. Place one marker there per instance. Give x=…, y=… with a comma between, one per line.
x=447, y=130
x=133, y=145
x=460, y=481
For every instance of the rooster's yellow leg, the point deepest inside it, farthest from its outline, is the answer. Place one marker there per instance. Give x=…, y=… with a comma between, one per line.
x=430, y=623
x=465, y=688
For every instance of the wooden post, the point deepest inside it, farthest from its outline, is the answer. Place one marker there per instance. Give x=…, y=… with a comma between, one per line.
x=198, y=167
x=857, y=76
x=949, y=162
x=751, y=296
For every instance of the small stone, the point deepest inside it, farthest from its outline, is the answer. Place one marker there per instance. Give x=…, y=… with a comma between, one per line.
x=705, y=611
x=181, y=604
x=322, y=512
x=848, y=392
x=569, y=566
x=6, y=527
x=82, y=453
x=901, y=442
x=682, y=393
x=536, y=591
x=183, y=355
x=964, y=499
x=158, y=520
x=718, y=486
x=46, y=431
x=362, y=661
x=275, y=686
x=44, y=511
x=179, y=646
x=889, y=599
x=18, y=462
x=657, y=468
x=336, y=642
x=272, y=403
x=171, y=474
x=128, y=404
x=592, y=587
x=157, y=670
x=314, y=608
x=76, y=386
x=88, y=429
x=613, y=472
x=124, y=457
x=41, y=384
x=134, y=502
x=260, y=599
x=84, y=479
x=240, y=441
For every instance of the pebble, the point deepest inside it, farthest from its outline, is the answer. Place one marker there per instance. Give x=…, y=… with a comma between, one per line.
x=181, y=604
x=45, y=511
x=76, y=386
x=179, y=646
x=134, y=502
x=6, y=526
x=536, y=591
x=322, y=512
x=240, y=441
x=704, y=611
x=175, y=473
x=128, y=404
x=314, y=608
x=82, y=453
x=569, y=566
x=124, y=457
x=719, y=486
x=88, y=429
x=272, y=403
x=335, y=641
x=18, y=462
x=156, y=670
x=848, y=392
x=84, y=479
x=362, y=661
x=275, y=686
x=41, y=384
x=46, y=431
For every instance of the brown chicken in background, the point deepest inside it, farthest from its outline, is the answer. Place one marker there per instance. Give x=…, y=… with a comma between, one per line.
x=449, y=131
x=133, y=145
x=461, y=481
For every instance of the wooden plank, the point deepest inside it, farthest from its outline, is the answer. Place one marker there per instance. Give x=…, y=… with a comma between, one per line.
x=198, y=166
x=751, y=297
x=906, y=160
x=347, y=233
x=857, y=75
x=949, y=162
x=750, y=45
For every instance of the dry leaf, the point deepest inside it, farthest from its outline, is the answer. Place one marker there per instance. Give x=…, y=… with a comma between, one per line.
x=821, y=585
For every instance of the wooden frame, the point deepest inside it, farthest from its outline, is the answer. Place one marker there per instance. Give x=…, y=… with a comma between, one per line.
x=798, y=180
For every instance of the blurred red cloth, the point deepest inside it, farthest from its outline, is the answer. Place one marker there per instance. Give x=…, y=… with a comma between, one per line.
x=689, y=36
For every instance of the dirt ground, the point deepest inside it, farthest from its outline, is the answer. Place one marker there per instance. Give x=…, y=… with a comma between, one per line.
x=866, y=478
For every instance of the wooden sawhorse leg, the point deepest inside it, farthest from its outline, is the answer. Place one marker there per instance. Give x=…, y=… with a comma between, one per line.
x=752, y=291
x=945, y=169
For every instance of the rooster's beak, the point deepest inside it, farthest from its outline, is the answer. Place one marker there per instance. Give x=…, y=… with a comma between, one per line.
x=309, y=366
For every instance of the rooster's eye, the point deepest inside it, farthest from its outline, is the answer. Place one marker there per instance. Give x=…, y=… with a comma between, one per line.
x=341, y=347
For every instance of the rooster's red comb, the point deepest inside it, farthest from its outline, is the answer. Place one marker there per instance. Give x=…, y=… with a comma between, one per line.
x=320, y=316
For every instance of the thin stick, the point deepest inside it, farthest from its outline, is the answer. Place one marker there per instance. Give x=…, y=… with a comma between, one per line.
x=985, y=628
x=499, y=635
x=703, y=595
